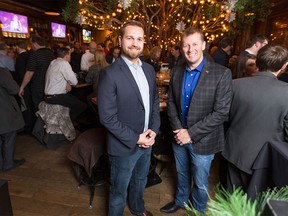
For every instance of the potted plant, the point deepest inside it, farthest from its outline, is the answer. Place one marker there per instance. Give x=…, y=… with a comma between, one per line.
x=237, y=203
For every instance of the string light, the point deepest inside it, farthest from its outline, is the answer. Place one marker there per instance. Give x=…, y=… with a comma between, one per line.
x=175, y=11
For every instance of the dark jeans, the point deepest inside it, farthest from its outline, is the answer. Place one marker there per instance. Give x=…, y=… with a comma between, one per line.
x=37, y=99
x=29, y=114
x=76, y=106
x=130, y=170
x=7, y=145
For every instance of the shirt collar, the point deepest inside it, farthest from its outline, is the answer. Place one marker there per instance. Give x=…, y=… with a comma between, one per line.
x=250, y=52
x=130, y=63
x=198, y=68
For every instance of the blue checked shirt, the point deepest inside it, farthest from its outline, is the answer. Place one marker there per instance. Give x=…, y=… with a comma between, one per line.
x=190, y=81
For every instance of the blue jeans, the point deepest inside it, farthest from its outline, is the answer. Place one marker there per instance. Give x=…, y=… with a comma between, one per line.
x=130, y=170
x=191, y=165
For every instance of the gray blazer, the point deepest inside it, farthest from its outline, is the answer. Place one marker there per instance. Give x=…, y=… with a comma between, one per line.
x=10, y=114
x=209, y=106
x=259, y=113
x=121, y=108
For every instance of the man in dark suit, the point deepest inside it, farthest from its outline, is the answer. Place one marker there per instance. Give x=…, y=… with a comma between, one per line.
x=252, y=48
x=113, y=55
x=259, y=113
x=223, y=52
x=128, y=106
x=11, y=120
x=198, y=103
x=175, y=57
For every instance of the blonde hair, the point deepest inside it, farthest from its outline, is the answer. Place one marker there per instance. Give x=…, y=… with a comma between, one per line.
x=99, y=57
x=154, y=51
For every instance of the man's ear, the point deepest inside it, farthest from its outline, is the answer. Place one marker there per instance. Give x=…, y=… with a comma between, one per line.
x=284, y=67
x=66, y=57
x=204, y=46
x=119, y=39
x=258, y=44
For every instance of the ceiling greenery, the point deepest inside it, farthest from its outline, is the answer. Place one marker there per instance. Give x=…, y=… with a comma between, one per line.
x=164, y=20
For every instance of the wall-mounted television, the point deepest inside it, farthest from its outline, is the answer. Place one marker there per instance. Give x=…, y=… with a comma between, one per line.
x=58, y=30
x=12, y=22
x=86, y=36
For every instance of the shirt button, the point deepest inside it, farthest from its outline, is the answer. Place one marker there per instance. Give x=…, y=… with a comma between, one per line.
x=188, y=84
x=187, y=96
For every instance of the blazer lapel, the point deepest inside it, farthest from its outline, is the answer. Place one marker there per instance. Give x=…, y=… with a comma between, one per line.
x=201, y=82
x=202, y=79
x=179, y=83
x=126, y=71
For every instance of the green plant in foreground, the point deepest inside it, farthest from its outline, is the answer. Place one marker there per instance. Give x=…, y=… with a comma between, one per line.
x=237, y=203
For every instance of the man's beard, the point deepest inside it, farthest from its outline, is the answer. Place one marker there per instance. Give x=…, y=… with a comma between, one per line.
x=132, y=54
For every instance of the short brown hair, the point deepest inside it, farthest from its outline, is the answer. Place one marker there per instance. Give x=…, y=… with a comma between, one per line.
x=191, y=31
x=130, y=23
x=62, y=52
x=37, y=39
x=272, y=58
x=22, y=44
x=256, y=38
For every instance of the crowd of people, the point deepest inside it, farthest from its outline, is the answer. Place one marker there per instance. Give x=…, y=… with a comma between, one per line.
x=205, y=94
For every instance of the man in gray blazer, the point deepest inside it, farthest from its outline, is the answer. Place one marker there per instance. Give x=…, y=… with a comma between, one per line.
x=259, y=113
x=198, y=103
x=11, y=120
x=128, y=106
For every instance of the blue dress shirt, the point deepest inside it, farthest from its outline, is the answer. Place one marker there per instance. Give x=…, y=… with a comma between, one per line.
x=190, y=81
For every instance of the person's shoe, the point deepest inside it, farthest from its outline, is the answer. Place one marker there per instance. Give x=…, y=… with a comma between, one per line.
x=16, y=163
x=170, y=207
x=146, y=213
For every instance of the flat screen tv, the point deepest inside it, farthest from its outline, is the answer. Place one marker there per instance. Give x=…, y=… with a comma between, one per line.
x=86, y=36
x=58, y=30
x=12, y=22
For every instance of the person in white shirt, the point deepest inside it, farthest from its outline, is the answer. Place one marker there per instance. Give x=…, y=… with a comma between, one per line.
x=59, y=79
x=87, y=59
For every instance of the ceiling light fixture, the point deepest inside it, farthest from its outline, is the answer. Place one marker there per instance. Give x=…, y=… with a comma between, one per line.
x=51, y=13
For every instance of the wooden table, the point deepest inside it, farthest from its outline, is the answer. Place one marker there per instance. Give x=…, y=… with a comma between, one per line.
x=82, y=90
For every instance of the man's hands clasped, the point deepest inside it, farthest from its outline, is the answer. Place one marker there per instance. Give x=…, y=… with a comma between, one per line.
x=146, y=139
x=182, y=137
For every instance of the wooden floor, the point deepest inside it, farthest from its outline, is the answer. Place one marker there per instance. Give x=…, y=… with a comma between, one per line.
x=45, y=184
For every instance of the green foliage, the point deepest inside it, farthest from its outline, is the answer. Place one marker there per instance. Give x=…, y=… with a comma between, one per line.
x=110, y=4
x=236, y=203
x=231, y=204
x=276, y=194
x=211, y=11
x=71, y=10
x=249, y=11
x=190, y=210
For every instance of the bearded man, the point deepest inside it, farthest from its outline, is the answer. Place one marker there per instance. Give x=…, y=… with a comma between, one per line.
x=128, y=106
